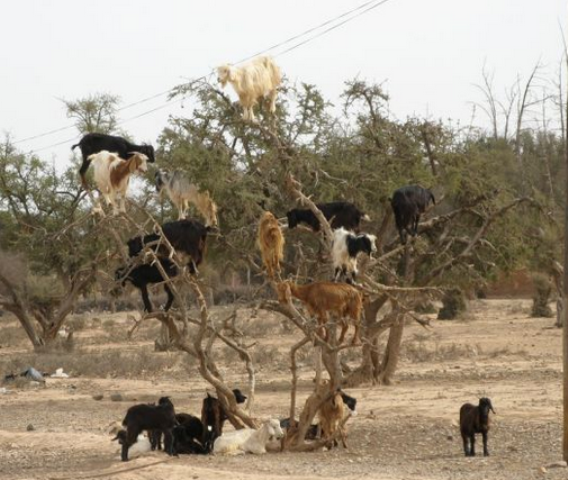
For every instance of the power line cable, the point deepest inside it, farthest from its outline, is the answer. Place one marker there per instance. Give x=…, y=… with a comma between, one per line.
x=361, y=9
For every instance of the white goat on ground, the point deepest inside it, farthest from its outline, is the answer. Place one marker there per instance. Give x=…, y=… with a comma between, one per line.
x=112, y=175
x=255, y=80
x=248, y=439
x=182, y=192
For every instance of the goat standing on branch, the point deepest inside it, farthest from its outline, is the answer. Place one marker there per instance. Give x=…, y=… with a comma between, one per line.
x=271, y=243
x=322, y=298
x=143, y=275
x=339, y=214
x=182, y=192
x=408, y=203
x=112, y=175
x=187, y=237
x=255, y=80
x=345, y=249
x=92, y=143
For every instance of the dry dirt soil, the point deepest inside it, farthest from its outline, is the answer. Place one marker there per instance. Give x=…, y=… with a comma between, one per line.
x=404, y=431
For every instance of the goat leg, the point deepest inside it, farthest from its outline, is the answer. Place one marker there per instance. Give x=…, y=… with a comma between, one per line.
x=83, y=171
x=344, y=327
x=465, y=445
x=472, y=442
x=356, y=336
x=146, y=299
x=169, y=442
x=170, y=297
x=485, y=450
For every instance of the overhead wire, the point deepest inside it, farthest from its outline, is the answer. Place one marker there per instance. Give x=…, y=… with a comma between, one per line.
x=357, y=11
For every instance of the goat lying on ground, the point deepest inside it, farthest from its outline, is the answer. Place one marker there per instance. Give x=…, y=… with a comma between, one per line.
x=323, y=298
x=253, y=81
x=95, y=142
x=248, y=440
x=142, y=417
x=271, y=243
x=345, y=249
x=213, y=415
x=141, y=446
x=340, y=214
x=187, y=237
x=143, y=275
x=475, y=419
x=112, y=175
x=408, y=203
x=182, y=192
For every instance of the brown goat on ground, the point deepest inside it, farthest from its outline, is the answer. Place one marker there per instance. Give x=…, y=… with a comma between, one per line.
x=271, y=243
x=331, y=415
x=322, y=298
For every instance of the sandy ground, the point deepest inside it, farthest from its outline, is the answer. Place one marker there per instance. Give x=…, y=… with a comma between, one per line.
x=405, y=431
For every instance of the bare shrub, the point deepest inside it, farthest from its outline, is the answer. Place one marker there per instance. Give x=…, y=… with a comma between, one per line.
x=263, y=326
x=78, y=323
x=541, y=299
x=229, y=355
x=268, y=355
x=109, y=323
x=419, y=351
x=140, y=364
x=12, y=335
x=453, y=304
x=58, y=344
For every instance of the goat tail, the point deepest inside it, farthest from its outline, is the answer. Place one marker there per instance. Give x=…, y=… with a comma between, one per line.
x=75, y=146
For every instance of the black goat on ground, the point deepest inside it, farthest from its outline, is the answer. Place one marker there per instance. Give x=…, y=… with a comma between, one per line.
x=190, y=436
x=213, y=415
x=408, y=203
x=186, y=236
x=142, y=417
x=341, y=214
x=475, y=419
x=143, y=275
x=95, y=142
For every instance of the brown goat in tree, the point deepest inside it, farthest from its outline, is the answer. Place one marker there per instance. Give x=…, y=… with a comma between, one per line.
x=271, y=243
x=322, y=298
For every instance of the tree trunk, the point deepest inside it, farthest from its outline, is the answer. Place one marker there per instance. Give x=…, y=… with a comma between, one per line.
x=367, y=371
x=392, y=352
x=165, y=341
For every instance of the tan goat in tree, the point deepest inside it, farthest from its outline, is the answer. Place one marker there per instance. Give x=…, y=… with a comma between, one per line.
x=271, y=243
x=323, y=298
x=254, y=81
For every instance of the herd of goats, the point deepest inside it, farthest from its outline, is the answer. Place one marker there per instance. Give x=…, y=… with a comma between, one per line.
x=115, y=160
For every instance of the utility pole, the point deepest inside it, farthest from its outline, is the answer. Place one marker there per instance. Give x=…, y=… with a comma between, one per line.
x=565, y=289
